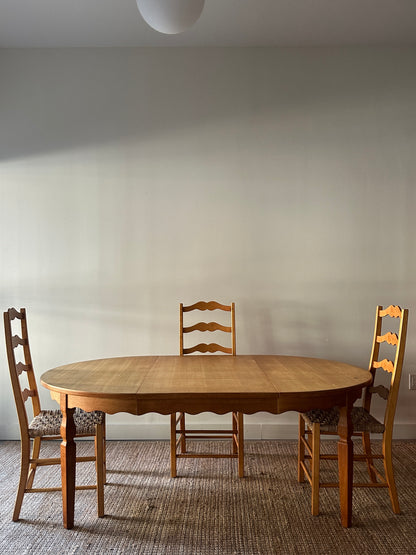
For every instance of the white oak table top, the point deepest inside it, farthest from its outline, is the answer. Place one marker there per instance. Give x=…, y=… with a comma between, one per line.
x=277, y=382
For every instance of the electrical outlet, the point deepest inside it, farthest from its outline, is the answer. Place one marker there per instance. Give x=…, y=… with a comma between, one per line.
x=412, y=381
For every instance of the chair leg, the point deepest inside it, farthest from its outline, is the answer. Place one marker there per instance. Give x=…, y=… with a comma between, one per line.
x=24, y=470
x=99, y=464
x=35, y=455
x=105, y=451
x=365, y=436
x=301, y=449
x=316, y=440
x=173, y=445
x=388, y=468
x=234, y=425
x=240, y=427
x=183, y=432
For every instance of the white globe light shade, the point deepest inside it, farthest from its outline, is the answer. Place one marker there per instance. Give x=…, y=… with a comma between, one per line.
x=170, y=16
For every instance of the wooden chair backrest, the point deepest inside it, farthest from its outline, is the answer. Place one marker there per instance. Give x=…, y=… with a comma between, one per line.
x=208, y=327
x=17, y=368
x=397, y=341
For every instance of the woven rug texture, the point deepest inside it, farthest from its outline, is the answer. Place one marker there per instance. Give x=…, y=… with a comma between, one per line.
x=207, y=509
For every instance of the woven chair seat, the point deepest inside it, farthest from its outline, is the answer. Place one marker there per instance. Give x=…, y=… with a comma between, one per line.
x=362, y=421
x=48, y=422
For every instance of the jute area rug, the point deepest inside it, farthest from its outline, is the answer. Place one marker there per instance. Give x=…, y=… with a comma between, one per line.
x=207, y=509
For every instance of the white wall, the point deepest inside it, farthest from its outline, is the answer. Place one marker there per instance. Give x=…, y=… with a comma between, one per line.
x=133, y=179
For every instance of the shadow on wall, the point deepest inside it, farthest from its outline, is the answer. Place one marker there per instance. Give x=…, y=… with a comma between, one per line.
x=286, y=328
x=61, y=99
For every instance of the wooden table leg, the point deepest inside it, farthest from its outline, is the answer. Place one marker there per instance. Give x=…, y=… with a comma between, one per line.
x=345, y=464
x=68, y=461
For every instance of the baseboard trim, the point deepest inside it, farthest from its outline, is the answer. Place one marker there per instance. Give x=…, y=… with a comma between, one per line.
x=251, y=431
x=160, y=431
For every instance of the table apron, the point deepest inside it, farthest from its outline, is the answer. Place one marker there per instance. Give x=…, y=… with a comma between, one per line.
x=274, y=404
x=303, y=403
x=110, y=405
x=190, y=405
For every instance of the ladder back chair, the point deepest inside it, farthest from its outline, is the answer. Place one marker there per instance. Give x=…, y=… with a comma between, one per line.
x=315, y=423
x=179, y=432
x=45, y=424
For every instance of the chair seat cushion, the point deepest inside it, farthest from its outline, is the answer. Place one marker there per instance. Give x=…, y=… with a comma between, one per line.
x=362, y=421
x=48, y=422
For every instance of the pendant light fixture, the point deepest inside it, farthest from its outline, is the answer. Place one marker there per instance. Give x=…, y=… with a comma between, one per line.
x=170, y=16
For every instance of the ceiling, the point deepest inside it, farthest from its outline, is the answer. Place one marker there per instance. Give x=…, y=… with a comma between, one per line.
x=241, y=23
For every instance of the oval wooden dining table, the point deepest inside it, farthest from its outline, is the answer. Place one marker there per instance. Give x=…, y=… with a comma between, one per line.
x=194, y=384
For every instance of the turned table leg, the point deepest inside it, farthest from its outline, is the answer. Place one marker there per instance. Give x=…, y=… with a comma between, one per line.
x=68, y=461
